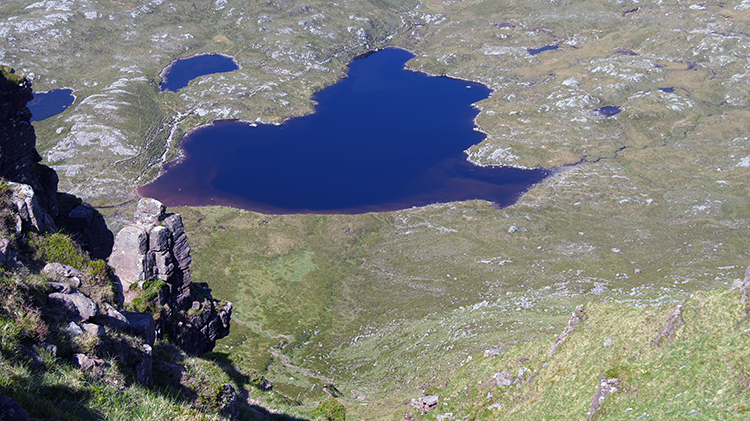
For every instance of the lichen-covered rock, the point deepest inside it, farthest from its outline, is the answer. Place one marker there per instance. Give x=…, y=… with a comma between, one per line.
x=74, y=329
x=86, y=363
x=576, y=317
x=503, y=379
x=196, y=332
x=425, y=403
x=148, y=211
x=128, y=258
x=93, y=329
x=160, y=239
x=78, y=307
x=674, y=321
x=31, y=215
x=607, y=386
x=155, y=246
x=64, y=273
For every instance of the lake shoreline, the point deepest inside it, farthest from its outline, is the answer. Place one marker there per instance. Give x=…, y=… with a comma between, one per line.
x=203, y=192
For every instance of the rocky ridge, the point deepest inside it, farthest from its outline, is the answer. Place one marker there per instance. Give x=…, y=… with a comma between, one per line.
x=153, y=247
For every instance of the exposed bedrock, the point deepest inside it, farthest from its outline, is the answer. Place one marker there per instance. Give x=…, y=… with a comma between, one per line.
x=151, y=259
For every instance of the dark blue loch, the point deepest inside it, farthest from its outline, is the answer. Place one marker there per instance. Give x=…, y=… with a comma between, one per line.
x=49, y=104
x=535, y=51
x=383, y=138
x=178, y=74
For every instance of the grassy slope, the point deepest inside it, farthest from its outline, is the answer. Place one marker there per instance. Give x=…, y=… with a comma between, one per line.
x=389, y=318
x=702, y=368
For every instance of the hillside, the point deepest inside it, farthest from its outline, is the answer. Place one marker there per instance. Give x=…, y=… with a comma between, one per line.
x=646, y=208
x=614, y=361
x=667, y=361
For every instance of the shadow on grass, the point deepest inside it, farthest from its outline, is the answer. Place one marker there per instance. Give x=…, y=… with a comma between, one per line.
x=240, y=381
x=169, y=372
x=53, y=402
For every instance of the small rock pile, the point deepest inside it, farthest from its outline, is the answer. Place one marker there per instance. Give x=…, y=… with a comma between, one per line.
x=426, y=403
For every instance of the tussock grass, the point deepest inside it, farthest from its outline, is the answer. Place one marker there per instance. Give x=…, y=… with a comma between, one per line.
x=702, y=368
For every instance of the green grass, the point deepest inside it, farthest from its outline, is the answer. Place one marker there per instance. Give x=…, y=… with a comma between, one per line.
x=365, y=301
x=63, y=392
x=399, y=299
x=48, y=386
x=330, y=410
x=702, y=369
x=147, y=300
x=59, y=248
x=9, y=75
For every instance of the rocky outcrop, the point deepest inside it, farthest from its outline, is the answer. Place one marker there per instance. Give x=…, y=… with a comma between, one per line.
x=607, y=386
x=31, y=215
x=153, y=250
x=19, y=159
x=576, y=317
x=64, y=274
x=229, y=402
x=76, y=306
x=425, y=403
x=154, y=246
x=674, y=321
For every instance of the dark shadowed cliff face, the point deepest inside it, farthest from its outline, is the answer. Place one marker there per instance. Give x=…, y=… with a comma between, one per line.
x=19, y=163
x=19, y=159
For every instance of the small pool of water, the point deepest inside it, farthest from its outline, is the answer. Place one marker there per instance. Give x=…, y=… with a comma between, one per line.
x=608, y=111
x=49, y=104
x=535, y=51
x=180, y=72
x=383, y=138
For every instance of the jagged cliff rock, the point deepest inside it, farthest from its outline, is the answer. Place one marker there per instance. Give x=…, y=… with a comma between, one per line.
x=19, y=159
x=153, y=251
